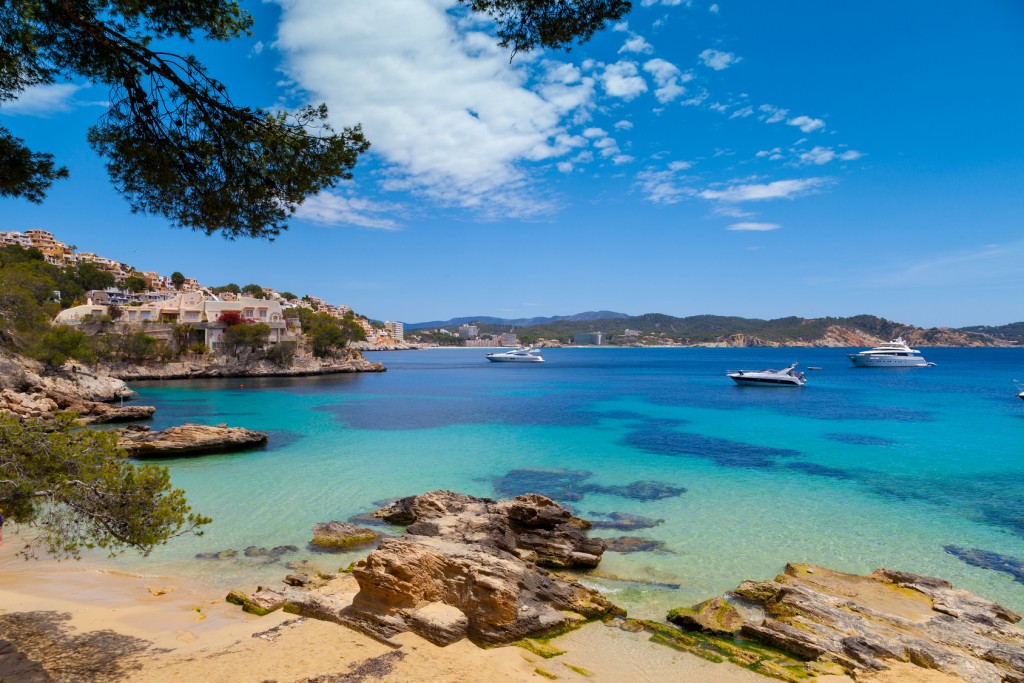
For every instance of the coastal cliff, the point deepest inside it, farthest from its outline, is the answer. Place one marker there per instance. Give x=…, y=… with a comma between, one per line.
x=30, y=390
x=218, y=366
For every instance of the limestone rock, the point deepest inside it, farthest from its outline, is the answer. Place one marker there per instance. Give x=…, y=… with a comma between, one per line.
x=478, y=558
x=189, y=439
x=341, y=535
x=863, y=623
x=711, y=616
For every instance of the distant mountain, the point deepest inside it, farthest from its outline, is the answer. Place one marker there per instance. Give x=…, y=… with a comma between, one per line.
x=1011, y=332
x=716, y=330
x=516, y=322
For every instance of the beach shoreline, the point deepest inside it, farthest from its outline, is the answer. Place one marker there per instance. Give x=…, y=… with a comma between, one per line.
x=81, y=620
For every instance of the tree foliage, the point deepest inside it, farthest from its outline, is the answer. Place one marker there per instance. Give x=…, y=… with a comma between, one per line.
x=61, y=343
x=245, y=336
x=76, y=488
x=135, y=284
x=326, y=334
x=174, y=142
x=177, y=279
x=525, y=25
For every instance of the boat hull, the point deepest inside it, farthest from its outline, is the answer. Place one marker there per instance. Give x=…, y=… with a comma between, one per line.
x=499, y=359
x=878, y=361
x=765, y=382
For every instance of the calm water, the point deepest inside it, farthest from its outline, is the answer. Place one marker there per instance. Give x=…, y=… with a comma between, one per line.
x=862, y=468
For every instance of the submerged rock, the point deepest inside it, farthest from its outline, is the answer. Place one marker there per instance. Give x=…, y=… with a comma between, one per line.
x=863, y=622
x=466, y=567
x=624, y=521
x=341, y=536
x=632, y=544
x=986, y=559
x=571, y=485
x=188, y=439
x=271, y=553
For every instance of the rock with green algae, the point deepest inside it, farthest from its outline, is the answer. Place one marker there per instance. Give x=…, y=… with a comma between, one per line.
x=711, y=616
x=341, y=535
x=865, y=623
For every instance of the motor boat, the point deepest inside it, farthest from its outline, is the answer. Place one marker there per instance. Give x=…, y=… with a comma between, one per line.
x=524, y=354
x=769, y=378
x=1020, y=389
x=894, y=354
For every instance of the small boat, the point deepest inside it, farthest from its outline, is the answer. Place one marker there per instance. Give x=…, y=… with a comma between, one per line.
x=1020, y=389
x=769, y=378
x=524, y=354
x=894, y=354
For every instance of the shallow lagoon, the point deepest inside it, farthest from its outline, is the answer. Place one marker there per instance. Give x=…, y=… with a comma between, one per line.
x=859, y=469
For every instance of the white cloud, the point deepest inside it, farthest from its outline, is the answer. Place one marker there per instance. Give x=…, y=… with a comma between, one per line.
x=637, y=44
x=666, y=3
x=622, y=159
x=818, y=156
x=257, y=48
x=714, y=8
x=447, y=113
x=742, y=113
x=623, y=125
x=622, y=26
x=666, y=186
x=772, y=114
x=806, y=123
x=779, y=189
x=754, y=227
x=565, y=166
x=718, y=60
x=594, y=133
x=45, y=100
x=621, y=79
x=328, y=208
x=667, y=77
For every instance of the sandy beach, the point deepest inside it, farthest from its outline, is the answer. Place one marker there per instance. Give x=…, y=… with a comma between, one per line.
x=76, y=621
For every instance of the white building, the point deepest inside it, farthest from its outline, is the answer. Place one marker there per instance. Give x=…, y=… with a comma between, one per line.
x=396, y=330
x=468, y=331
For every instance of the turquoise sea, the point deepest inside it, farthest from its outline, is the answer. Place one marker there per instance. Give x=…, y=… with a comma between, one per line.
x=862, y=468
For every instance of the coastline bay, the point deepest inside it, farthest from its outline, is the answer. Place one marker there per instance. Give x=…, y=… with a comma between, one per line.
x=926, y=459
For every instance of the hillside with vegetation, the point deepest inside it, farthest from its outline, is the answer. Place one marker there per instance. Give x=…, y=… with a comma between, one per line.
x=658, y=328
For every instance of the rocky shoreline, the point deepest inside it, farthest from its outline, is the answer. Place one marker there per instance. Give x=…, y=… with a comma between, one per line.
x=203, y=367
x=479, y=569
x=188, y=440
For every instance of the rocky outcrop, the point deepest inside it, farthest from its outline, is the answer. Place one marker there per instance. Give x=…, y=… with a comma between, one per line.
x=30, y=390
x=188, y=439
x=866, y=623
x=341, y=535
x=217, y=366
x=466, y=568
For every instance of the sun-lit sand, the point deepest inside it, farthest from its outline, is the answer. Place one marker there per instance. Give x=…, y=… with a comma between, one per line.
x=76, y=621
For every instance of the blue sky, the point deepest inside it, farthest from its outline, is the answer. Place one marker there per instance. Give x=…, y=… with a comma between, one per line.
x=760, y=159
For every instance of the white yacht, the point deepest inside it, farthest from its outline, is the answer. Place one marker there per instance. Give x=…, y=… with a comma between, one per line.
x=894, y=354
x=1020, y=389
x=769, y=378
x=524, y=354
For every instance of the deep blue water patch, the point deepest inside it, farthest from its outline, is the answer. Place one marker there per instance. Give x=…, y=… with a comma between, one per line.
x=859, y=439
x=986, y=559
x=569, y=486
x=432, y=412
x=816, y=470
x=722, y=452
